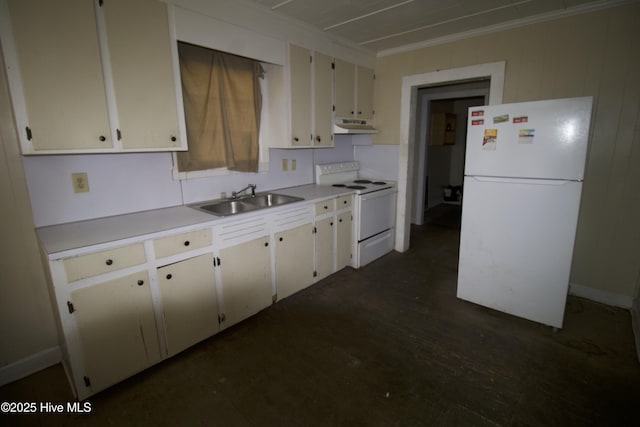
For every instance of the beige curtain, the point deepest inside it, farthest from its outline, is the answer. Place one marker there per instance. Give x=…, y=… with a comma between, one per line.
x=222, y=104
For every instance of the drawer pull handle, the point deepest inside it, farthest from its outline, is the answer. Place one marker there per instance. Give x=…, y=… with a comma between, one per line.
x=109, y=262
x=169, y=276
x=187, y=243
x=140, y=282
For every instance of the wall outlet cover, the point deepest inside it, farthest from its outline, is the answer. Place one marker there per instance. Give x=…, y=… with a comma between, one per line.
x=80, y=182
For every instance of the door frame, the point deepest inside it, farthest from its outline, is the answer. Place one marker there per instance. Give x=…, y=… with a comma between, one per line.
x=494, y=71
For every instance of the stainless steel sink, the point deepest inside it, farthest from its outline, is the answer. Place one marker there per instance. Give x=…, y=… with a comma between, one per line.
x=271, y=199
x=226, y=207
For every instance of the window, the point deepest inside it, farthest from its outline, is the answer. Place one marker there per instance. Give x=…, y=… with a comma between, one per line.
x=222, y=104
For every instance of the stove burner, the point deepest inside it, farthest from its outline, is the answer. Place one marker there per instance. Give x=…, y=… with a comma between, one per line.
x=339, y=185
x=356, y=187
x=379, y=183
x=362, y=181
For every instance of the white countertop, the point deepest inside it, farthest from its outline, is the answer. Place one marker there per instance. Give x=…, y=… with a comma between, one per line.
x=64, y=237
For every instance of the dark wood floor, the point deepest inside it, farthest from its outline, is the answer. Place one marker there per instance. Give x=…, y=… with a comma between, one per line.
x=386, y=345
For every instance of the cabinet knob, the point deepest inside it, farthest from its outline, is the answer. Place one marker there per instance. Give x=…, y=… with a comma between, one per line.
x=109, y=262
x=281, y=239
x=296, y=139
x=169, y=276
x=140, y=282
x=340, y=220
x=266, y=244
x=174, y=139
x=187, y=243
x=102, y=138
x=318, y=139
x=331, y=223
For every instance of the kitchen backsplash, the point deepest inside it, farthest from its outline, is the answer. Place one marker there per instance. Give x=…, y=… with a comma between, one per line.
x=125, y=183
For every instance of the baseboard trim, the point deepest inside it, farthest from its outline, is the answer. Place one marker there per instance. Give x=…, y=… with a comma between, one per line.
x=635, y=323
x=598, y=295
x=30, y=365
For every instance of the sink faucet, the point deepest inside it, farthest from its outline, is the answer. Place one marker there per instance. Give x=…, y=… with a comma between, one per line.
x=235, y=194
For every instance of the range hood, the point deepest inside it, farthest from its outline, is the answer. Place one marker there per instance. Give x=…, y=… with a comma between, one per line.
x=352, y=126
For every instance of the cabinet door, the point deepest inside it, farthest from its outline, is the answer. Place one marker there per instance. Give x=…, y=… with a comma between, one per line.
x=142, y=66
x=245, y=271
x=323, y=100
x=189, y=302
x=300, y=80
x=117, y=329
x=365, y=93
x=324, y=244
x=343, y=243
x=293, y=260
x=61, y=72
x=345, y=85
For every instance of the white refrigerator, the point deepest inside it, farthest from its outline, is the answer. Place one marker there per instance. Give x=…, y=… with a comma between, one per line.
x=524, y=168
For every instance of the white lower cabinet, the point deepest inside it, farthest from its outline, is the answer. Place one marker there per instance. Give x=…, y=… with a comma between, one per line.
x=324, y=243
x=245, y=272
x=125, y=305
x=116, y=328
x=189, y=302
x=293, y=260
x=333, y=236
x=344, y=234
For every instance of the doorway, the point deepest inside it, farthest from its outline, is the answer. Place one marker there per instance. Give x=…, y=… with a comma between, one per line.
x=440, y=138
x=412, y=159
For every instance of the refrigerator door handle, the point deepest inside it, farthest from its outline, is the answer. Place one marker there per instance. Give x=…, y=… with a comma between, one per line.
x=529, y=181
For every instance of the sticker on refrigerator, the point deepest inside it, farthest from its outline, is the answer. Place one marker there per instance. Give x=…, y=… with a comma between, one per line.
x=477, y=122
x=521, y=119
x=489, y=140
x=525, y=136
x=477, y=113
x=501, y=119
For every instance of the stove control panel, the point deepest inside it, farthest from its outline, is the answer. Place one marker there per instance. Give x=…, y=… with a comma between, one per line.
x=329, y=168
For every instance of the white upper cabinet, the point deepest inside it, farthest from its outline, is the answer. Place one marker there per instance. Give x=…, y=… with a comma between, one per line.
x=354, y=90
x=92, y=76
x=63, y=104
x=141, y=58
x=311, y=98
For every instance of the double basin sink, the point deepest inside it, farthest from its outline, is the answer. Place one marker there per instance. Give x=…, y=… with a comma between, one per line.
x=226, y=207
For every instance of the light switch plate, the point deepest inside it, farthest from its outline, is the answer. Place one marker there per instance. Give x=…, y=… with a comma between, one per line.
x=80, y=182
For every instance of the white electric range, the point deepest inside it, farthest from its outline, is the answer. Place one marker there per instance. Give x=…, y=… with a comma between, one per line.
x=374, y=208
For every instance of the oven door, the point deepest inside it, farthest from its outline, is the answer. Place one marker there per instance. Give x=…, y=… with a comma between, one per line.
x=377, y=212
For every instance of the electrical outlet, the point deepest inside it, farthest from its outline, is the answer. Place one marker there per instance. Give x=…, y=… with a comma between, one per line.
x=80, y=182
x=285, y=164
x=293, y=164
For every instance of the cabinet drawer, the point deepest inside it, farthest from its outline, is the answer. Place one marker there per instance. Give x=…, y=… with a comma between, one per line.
x=324, y=207
x=84, y=266
x=172, y=245
x=344, y=202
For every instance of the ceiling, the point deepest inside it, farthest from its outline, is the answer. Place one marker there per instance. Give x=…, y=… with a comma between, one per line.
x=380, y=25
